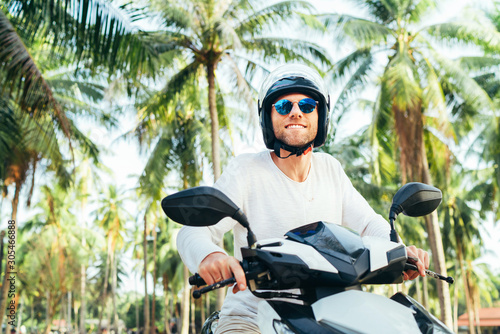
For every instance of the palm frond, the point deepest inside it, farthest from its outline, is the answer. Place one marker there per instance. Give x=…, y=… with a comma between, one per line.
x=243, y=85
x=381, y=134
x=483, y=63
x=434, y=100
x=9, y=132
x=418, y=9
x=288, y=49
x=94, y=28
x=23, y=78
x=258, y=20
x=402, y=78
x=84, y=144
x=463, y=84
x=164, y=103
x=476, y=28
x=364, y=62
x=382, y=10
x=364, y=33
x=157, y=167
x=176, y=16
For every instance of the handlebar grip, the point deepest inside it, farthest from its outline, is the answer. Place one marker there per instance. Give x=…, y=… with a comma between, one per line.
x=449, y=279
x=196, y=280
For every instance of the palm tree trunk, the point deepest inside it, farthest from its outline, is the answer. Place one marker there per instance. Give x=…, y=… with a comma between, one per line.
x=202, y=309
x=214, y=118
x=32, y=317
x=415, y=167
x=455, y=306
x=5, y=283
x=185, y=303
x=99, y=323
x=166, y=304
x=192, y=315
x=20, y=319
x=68, y=314
x=436, y=243
x=146, y=297
x=418, y=288
x=83, y=288
x=83, y=269
x=425, y=290
x=136, y=309
x=468, y=300
x=49, y=313
x=116, y=325
x=105, y=287
x=207, y=305
x=153, y=306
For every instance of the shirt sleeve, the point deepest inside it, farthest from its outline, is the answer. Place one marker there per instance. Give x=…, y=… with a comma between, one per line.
x=358, y=214
x=194, y=244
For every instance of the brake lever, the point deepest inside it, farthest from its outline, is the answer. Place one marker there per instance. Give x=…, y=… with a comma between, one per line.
x=197, y=293
x=409, y=266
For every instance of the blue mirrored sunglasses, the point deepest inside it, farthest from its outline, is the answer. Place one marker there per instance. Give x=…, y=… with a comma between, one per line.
x=284, y=106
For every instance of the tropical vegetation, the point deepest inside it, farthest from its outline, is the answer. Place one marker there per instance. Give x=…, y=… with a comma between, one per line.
x=174, y=82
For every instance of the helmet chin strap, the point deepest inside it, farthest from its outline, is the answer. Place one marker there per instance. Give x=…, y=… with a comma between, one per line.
x=298, y=151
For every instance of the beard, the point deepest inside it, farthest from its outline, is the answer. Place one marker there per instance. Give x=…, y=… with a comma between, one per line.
x=294, y=139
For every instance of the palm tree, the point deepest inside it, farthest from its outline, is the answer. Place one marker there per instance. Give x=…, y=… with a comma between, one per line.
x=86, y=182
x=50, y=252
x=34, y=96
x=461, y=227
x=112, y=216
x=36, y=143
x=168, y=263
x=92, y=33
x=212, y=33
x=393, y=43
x=180, y=147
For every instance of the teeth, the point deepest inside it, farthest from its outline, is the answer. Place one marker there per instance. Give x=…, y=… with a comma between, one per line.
x=295, y=127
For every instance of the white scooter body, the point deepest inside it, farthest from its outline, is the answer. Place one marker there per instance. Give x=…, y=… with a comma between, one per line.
x=352, y=310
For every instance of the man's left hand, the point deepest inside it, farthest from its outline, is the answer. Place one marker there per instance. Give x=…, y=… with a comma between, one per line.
x=422, y=263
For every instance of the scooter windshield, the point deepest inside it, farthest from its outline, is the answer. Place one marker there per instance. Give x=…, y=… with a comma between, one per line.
x=329, y=238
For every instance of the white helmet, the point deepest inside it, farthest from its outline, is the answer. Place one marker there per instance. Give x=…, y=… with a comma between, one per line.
x=293, y=78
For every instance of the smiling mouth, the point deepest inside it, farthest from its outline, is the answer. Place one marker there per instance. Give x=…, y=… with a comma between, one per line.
x=295, y=126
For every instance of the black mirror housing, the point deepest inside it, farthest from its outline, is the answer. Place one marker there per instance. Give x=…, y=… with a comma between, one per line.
x=416, y=199
x=198, y=206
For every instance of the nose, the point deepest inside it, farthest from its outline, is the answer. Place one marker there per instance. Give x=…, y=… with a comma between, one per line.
x=295, y=112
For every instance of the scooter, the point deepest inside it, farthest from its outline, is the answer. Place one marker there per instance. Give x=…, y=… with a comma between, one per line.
x=311, y=279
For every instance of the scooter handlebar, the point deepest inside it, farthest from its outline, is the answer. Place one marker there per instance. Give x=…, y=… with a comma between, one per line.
x=449, y=279
x=197, y=280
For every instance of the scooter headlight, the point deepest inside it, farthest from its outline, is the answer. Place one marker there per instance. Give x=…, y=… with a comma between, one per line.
x=281, y=327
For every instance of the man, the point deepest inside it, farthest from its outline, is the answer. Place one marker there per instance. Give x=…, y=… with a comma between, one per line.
x=280, y=190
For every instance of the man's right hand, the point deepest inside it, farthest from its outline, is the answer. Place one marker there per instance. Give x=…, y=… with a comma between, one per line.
x=219, y=266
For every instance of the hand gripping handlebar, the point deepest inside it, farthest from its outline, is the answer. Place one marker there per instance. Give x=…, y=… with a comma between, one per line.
x=198, y=281
x=410, y=266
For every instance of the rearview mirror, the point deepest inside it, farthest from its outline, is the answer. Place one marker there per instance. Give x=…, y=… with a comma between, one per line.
x=199, y=206
x=204, y=206
x=416, y=199
x=413, y=199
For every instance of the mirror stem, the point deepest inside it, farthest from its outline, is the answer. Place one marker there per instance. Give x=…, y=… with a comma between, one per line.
x=240, y=217
x=394, y=234
x=393, y=213
x=251, y=237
